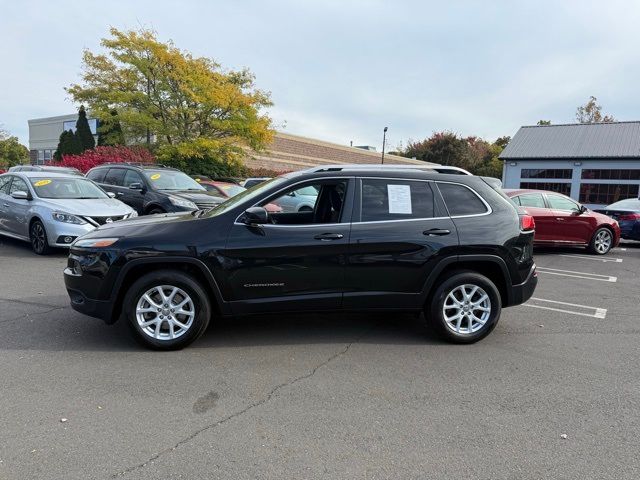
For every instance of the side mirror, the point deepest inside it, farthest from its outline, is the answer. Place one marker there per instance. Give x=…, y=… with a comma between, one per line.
x=20, y=195
x=583, y=209
x=136, y=186
x=111, y=195
x=256, y=216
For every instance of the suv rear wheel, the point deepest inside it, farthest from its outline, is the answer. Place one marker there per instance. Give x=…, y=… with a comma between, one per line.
x=465, y=307
x=167, y=309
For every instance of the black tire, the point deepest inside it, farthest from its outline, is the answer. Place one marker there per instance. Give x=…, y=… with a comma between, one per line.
x=201, y=307
x=597, y=245
x=39, y=239
x=155, y=210
x=435, y=313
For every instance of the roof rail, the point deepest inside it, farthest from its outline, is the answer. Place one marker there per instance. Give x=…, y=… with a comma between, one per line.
x=363, y=166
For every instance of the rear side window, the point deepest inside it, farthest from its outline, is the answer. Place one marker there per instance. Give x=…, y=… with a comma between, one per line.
x=461, y=200
x=115, y=176
x=391, y=199
x=531, y=200
x=97, y=175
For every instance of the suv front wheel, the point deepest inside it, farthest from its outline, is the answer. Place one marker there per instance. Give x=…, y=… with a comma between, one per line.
x=465, y=307
x=167, y=309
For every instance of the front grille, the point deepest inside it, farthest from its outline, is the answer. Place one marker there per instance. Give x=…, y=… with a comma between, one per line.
x=104, y=220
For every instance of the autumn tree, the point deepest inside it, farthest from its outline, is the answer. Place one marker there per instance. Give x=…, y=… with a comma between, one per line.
x=182, y=100
x=83, y=131
x=591, y=112
x=12, y=152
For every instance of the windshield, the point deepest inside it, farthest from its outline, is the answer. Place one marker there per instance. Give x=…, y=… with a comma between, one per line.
x=246, y=196
x=172, y=180
x=69, y=188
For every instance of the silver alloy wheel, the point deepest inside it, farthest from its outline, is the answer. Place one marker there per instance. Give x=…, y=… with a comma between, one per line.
x=603, y=241
x=38, y=236
x=466, y=309
x=165, y=312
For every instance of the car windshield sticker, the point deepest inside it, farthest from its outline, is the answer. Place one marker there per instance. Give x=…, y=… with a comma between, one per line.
x=155, y=176
x=198, y=180
x=42, y=183
x=399, y=199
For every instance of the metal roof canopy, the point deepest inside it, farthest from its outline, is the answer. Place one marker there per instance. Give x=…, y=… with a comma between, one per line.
x=577, y=140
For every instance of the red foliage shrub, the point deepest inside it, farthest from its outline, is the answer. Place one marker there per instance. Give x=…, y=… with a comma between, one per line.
x=99, y=155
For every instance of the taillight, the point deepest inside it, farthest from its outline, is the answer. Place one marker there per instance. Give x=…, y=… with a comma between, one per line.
x=629, y=216
x=527, y=223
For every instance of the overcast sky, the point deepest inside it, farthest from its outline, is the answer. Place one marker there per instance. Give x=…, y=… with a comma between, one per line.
x=343, y=70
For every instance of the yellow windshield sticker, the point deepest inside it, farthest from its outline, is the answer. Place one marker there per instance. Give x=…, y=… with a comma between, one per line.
x=42, y=183
x=155, y=176
x=198, y=180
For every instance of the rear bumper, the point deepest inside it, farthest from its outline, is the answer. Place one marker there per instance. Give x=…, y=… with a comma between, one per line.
x=524, y=291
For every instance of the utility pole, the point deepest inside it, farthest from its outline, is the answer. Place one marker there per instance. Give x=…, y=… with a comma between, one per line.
x=384, y=141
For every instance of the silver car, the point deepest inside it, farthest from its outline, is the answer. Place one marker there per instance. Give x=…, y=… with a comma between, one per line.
x=53, y=209
x=301, y=200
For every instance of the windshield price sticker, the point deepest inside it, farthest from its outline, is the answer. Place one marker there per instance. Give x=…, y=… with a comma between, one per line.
x=399, y=199
x=155, y=176
x=42, y=183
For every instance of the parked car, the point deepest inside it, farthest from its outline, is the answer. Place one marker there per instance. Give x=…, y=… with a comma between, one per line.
x=627, y=214
x=151, y=189
x=561, y=221
x=53, y=209
x=228, y=190
x=250, y=182
x=46, y=168
x=300, y=200
x=453, y=246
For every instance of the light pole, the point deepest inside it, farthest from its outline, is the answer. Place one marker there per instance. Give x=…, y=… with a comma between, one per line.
x=384, y=141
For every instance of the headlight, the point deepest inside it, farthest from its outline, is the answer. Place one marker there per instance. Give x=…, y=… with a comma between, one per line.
x=182, y=202
x=133, y=214
x=67, y=218
x=94, y=242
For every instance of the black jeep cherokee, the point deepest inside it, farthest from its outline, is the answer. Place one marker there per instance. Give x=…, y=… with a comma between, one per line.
x=152, y=189
x=408, y=239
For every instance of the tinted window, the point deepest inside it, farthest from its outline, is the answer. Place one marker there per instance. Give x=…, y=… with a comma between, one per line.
x=531, y=200
x=4, y=184
x=460, y=200
x=18, y=185
x=396, y=200
x=561, y=203
x=115, y=176
x=132, y=177
x=97, y=175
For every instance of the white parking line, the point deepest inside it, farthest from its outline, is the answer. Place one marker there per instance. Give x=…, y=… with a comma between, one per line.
x=573, y=274
x=587, y=257
x=598, y=312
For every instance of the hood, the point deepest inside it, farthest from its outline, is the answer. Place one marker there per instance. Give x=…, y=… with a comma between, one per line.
x=140, y=226
x=199, y=196
x=94, y=207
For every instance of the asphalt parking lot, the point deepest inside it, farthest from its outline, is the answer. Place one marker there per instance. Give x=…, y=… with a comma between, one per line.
x=326, y=396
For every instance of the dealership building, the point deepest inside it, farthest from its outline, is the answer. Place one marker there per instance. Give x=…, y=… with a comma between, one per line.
x=286, y=153
x=594, y=163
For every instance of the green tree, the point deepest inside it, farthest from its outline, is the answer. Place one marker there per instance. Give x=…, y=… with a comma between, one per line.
x=68, y=144
x=12, y=152
x=444, y=148
x=110, y=131
x=591, y=112
x=544, y=122
x=83, y=132
x=502, y=142
x=159, y=89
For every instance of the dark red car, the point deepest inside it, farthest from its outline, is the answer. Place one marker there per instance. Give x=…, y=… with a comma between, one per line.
x=561, y=220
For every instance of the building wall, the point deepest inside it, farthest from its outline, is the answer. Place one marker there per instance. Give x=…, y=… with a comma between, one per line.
x=616, y=189
x=44, y=134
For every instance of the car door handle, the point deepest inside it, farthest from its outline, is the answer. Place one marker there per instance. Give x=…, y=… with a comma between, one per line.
x=560, y=219
x=328, y=236
x=436, y=232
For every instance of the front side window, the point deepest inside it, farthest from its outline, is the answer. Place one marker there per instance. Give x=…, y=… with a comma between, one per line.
x=460, y=200
x=18, y=185
x=562, y=203
x=315, y=203
x=390, y=199
x=132, y=177
x=531, y=200
x=66, y=188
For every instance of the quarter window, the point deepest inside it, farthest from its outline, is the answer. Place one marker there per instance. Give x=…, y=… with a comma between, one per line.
x=562, y=203
x=396, y=200
x=460, y=200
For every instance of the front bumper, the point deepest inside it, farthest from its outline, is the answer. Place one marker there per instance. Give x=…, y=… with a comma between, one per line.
x=524, y=291
x=101, y=309
x=58, y=232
